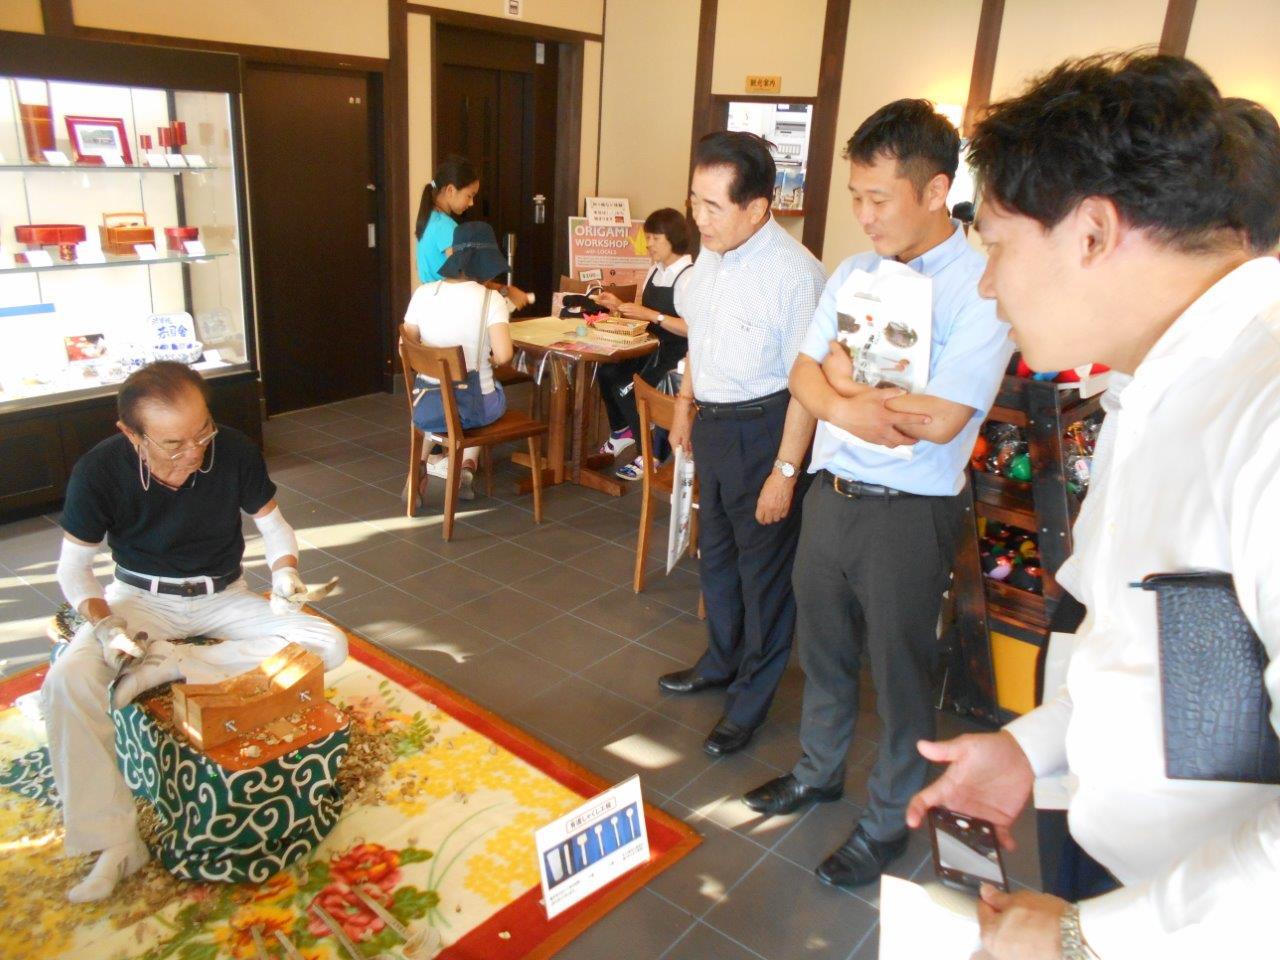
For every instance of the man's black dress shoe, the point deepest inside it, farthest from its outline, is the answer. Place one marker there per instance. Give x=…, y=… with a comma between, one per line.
x=787, y=795
x=688, y=681
x=727, y=738
x=860, y=859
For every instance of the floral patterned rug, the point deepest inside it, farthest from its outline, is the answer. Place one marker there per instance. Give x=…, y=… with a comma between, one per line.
x=433, y=856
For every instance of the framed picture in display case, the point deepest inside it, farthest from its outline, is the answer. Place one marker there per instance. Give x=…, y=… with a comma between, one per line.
x=95, y=138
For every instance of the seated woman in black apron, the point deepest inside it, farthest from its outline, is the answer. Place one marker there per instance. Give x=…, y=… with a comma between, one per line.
x=667, y=235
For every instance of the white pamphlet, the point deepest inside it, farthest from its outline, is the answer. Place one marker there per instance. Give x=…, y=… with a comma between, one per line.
x=885, y=321
x=682, y=508
x=927, y=921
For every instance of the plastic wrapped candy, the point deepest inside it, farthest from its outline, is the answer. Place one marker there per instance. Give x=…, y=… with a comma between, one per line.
x=981, y=450
x=1002, y=568
x=1006, y=443
x=1019, y=467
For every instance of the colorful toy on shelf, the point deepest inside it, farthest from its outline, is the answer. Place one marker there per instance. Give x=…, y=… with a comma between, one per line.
x=1060, y=376
x=1010, y=555
x=1019, y=468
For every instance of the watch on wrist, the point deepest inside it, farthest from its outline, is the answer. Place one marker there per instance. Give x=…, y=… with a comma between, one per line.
x=1072, y=944
x=788, y=470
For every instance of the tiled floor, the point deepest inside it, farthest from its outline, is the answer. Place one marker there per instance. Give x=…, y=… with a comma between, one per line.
x=540, y=624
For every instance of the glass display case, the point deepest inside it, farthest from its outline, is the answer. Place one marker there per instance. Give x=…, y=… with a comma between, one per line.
x=787, y=127
x=119, y=235
x=123, y=239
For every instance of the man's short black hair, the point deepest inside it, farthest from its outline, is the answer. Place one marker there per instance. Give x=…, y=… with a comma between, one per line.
x=164, y=382
x=1150, y=133
x=1257, y=165
x=912, y=132
x=747, y=155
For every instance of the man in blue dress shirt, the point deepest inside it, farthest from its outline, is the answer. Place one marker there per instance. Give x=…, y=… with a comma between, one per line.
x=748, y=302
x=879, y=532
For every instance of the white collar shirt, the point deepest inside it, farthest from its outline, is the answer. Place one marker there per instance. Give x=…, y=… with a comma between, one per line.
x=1187, y=476
x=661, y=276
x=748, y=310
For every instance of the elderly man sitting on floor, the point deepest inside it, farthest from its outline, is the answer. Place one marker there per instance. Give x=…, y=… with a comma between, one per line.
x=166, y=493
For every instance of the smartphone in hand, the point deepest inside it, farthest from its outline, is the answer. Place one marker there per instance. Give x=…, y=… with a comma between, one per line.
x=965, y=851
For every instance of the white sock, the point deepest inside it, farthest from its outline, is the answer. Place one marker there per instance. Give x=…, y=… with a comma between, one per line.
x=114, y=864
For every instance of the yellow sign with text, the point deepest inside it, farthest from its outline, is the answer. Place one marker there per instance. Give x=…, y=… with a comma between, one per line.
x=763, y=84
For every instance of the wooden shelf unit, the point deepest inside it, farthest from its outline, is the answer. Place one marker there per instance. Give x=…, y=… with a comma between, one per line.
x=992, y=619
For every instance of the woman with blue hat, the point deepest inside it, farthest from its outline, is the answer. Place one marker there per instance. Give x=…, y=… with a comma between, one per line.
x=459, y=310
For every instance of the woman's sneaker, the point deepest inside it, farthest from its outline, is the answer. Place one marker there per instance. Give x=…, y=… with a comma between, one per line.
x=466, y=488
x=618, y=441
x=632, y=471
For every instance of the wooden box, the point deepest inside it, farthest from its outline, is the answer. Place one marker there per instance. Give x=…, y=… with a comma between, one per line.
x=121, y=231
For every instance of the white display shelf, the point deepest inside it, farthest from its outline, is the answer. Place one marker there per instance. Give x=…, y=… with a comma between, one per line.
x=99, y=168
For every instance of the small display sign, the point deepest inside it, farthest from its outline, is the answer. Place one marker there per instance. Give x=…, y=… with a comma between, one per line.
x=608, y=211
x=592, y=846
x=758, y=83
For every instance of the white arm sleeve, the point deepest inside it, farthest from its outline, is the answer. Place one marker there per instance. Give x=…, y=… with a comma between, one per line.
x=75, y=573
x=278, y=539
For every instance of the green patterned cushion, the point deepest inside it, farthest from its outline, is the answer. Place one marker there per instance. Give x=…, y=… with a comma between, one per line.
x=219, y=824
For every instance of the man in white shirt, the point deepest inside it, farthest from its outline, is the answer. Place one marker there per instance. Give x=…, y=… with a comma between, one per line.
x=1123, y=205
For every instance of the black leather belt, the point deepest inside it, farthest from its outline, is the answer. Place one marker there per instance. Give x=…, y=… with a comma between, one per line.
x=194, y=587
x=856, y=489
x=743, y=409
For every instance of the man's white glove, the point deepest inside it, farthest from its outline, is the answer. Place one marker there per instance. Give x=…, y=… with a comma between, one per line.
x=117, y=642
x=161, y=663
x=288, y=592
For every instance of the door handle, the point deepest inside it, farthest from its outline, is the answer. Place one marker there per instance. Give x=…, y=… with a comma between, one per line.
x=539, y=208
x=373, y=236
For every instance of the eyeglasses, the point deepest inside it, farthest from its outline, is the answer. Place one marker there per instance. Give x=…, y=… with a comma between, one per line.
x=175, y=449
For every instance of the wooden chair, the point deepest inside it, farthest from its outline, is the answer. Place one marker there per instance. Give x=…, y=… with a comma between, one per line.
x=656, y=409
x=448, y=365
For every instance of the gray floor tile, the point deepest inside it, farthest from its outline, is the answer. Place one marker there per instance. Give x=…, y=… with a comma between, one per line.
x=339, y=453
x=570, y=643
x=365, y=502
x=507, y=563
x=381, y=612
x=594, y=713
x=563, y=586
x=558, y=542
x=387, y=556
x=372, y=467
x=466, y=539
x=314, y=416
x=666, y=755
x=608, y=561
x=679, y=588
x=633, y=672
x=717, y=795
x=507, y=614
x=323, y=481
x=499, y=517
x=627, y=614
x=804, y=917
x=443, y=642
x=704, y=943
x=704, y=877
x=448, y=585
x=684, y=638
x=604, y=523
x=641, y=928
x=352, y=582
x=502, y=678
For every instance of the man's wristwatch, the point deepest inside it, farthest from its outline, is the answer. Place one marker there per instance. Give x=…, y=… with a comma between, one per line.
x=1072, y=943
x=788, y=470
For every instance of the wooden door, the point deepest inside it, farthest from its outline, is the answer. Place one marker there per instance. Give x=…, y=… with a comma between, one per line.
x=496, y=106
x=312, y=200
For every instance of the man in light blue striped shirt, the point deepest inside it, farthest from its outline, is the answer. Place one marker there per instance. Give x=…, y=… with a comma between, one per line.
x=749, y=300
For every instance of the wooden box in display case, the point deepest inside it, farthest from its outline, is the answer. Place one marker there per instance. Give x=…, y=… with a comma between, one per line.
x=76, y=304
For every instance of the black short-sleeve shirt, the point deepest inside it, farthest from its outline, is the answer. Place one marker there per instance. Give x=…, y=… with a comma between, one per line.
x=189, y=532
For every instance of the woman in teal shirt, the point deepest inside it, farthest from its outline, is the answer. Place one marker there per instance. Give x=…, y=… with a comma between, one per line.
x=449, y=195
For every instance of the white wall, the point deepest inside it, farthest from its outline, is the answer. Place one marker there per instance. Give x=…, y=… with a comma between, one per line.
x=1238, y=42
x=357, y=27
x=885, y=62
x=765, y=37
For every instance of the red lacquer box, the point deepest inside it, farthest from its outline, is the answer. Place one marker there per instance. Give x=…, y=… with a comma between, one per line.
x=63, y=235
x=175, y=237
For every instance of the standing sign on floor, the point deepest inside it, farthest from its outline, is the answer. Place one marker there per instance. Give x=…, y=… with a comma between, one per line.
x=592, y=846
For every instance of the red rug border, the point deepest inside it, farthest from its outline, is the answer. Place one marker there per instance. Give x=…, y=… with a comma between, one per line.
x=670, y=839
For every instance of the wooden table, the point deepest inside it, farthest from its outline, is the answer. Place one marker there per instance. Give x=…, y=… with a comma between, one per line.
x=537, y=338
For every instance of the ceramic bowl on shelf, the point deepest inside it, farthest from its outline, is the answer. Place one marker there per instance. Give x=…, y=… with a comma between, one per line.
x=188, y=351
